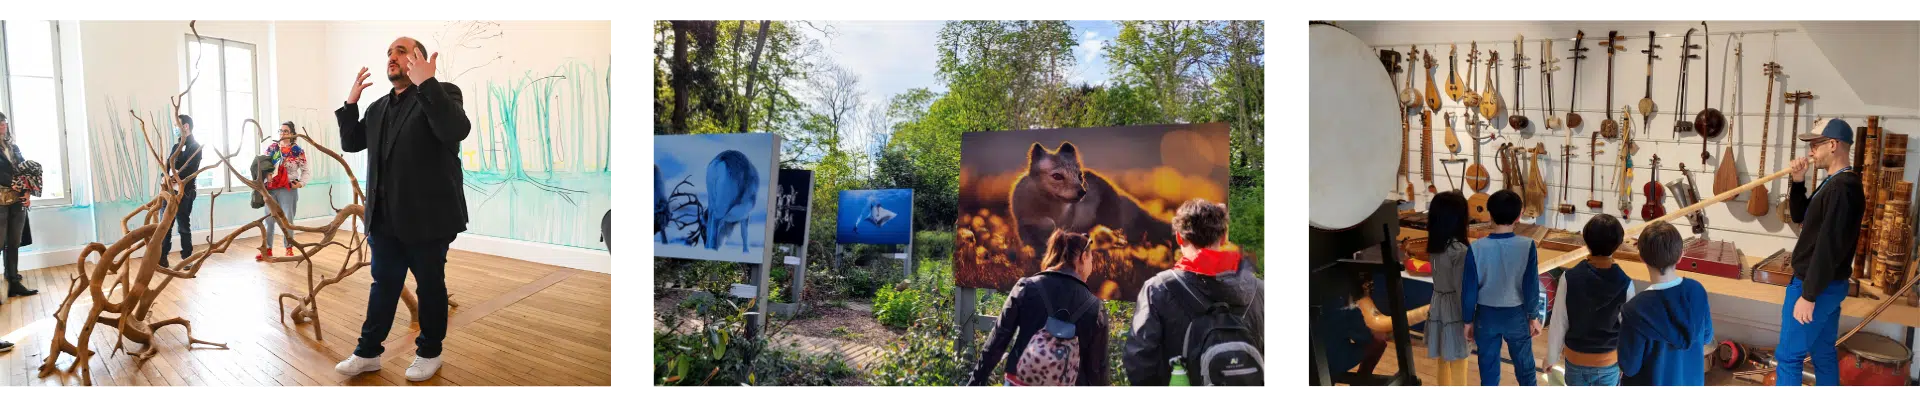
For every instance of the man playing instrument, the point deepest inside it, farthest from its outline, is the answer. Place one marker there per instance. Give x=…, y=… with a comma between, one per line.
x=1822, y=257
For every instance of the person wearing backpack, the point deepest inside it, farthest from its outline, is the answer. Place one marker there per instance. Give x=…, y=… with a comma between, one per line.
x=1205, y=316
x=1053, y=323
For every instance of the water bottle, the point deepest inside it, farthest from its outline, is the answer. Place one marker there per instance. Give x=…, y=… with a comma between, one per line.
x=1179, y=378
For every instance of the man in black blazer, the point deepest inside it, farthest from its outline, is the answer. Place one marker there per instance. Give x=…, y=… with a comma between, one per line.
x=415, y=205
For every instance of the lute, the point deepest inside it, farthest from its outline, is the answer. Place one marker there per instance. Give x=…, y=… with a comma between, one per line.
x=1453, y=140
x=1433, y=92
x=1476, y=174
x=1470, y=97
x=1548, y=65
x=1727, y=175
x=1647, y=107
x=1609, y=128
x=1680, y=124
x=1516, y=118
x=1453, y=75
x=1709, y=122
x=1579, y=53
x=1793, y=149
x=1477, y=180
x=1759, y=201
x=1490, y=100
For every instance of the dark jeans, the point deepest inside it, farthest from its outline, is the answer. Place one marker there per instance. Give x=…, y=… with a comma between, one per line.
x=392, y=258
x=182, y=222
x=1509, y=325
x=13, y=219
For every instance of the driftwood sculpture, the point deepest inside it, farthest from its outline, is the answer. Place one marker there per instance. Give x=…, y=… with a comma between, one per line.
x=134, y=284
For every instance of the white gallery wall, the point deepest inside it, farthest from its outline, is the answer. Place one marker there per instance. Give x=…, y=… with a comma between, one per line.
x=1854, y=70
x=116, y=70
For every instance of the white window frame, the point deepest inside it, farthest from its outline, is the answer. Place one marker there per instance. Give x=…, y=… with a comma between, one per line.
x=60, y=111
x=231, y=125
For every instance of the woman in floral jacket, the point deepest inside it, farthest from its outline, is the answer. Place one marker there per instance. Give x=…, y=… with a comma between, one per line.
x=289, y=175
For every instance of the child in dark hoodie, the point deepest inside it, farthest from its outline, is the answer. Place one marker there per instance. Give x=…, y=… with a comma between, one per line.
x=1586, y=310
x=1665, y=330
x=1170, y=301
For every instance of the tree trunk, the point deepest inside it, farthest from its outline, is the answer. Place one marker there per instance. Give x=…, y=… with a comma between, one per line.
x=753, y=75
x=681, y=67
x=739, y=30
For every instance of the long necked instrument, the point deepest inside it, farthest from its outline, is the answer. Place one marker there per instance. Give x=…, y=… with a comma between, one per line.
x=1476, y=174
x=1426, y=150
x=1470, y=97
x=1793, y=149
x=1634, y=231
x=1609, y=128
x=1490, y=100
x=1409, y=96
x=1690, y=194
x=1709, y=122
x=1680, y=123
x=1516, y=118
x=1579, y=53
x=1566, y=166
x=1623, y=176
x=1727, y=175
x=1655, y=206
x=1453, y=74
x=1647, y=107
x=1759, y=201
x=1433, y=92
x=1407, y=194
x=1548, y=65
x=1593, y=165
x=1536, y=191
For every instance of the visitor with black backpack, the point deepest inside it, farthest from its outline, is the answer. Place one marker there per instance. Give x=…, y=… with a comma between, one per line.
x=1054, y=323
x=1201, y=322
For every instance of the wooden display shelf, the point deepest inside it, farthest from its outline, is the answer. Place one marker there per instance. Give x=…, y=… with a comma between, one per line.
x=1857, y=307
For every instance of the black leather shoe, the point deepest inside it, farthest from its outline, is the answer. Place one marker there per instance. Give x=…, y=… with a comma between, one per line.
x=15, y=289
x=6, y=346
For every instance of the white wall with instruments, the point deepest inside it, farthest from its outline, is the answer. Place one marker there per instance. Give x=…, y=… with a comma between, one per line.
x=1735, y=85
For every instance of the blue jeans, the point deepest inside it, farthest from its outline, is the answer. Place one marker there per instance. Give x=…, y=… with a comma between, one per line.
x=1578, y=375
x=392, y=259
x=1494, y=325
x=289, y=200
x=1798, y=340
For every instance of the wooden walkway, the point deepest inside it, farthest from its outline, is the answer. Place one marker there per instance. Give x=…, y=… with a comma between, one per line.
x=857, y=355
x=520, y=323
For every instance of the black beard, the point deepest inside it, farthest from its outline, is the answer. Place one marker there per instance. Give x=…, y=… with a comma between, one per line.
x=396, y=77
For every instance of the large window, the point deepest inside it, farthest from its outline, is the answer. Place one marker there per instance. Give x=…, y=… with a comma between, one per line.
x=221, y=73
x=30, y=96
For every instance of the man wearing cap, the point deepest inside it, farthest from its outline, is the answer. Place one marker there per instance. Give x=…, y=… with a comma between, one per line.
x=1822, y=257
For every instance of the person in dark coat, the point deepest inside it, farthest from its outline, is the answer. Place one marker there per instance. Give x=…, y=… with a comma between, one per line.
x=1063, y=286
x=13, y=218
x=1164, y=309
x=185, y=159
x=415, y=204
x=1822, y=256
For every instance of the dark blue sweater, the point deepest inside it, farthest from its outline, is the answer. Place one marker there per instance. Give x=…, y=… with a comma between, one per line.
x=1664, y=334
x=1594, y=298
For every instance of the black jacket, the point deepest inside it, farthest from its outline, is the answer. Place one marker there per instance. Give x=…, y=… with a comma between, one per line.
x=1160, y=318
x=1829, y=231
x=186, y=159
x=7, y=169
x=416, y=173
x=1024, y=315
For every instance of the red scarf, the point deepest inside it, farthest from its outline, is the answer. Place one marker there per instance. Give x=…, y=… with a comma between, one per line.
x=1210, y=262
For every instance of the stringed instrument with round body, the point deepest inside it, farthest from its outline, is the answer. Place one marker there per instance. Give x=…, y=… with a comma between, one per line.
x=1759, y=200
x=1709, y=122
x=1453, y=74
x=1609, y=128
x=1647, y=107
x=1655, y=205
x=1579, y=53
x=1469, y=96
x=1477, y=178
x=1490, y=100
x=1453, y=140
x=1517, y=119
x=1409, y=97
x=1433, y=92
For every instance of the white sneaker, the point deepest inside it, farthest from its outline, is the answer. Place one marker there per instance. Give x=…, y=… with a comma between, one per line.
x=422, y=368
x=355, y=365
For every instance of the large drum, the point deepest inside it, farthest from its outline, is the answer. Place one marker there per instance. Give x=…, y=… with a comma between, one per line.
x=1351, y=125
x=1870, y=359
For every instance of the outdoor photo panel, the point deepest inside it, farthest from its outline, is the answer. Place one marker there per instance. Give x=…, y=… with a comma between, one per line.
x=711, y=195
x=790, y=217
x=875, y=217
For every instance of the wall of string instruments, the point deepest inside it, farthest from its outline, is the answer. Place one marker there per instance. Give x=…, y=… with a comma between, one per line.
x=1584, y=117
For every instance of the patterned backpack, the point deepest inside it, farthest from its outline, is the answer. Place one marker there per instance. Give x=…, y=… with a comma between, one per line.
x=1052, y=355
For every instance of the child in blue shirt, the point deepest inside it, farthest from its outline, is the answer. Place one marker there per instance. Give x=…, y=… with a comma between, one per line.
x=1664, y=331
x=1502, y=305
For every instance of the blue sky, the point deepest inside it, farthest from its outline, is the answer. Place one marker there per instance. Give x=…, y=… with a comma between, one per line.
x=894, y=56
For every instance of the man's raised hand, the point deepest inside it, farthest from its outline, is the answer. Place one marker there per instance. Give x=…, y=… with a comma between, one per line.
x=359, y=84
x=419, y=69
